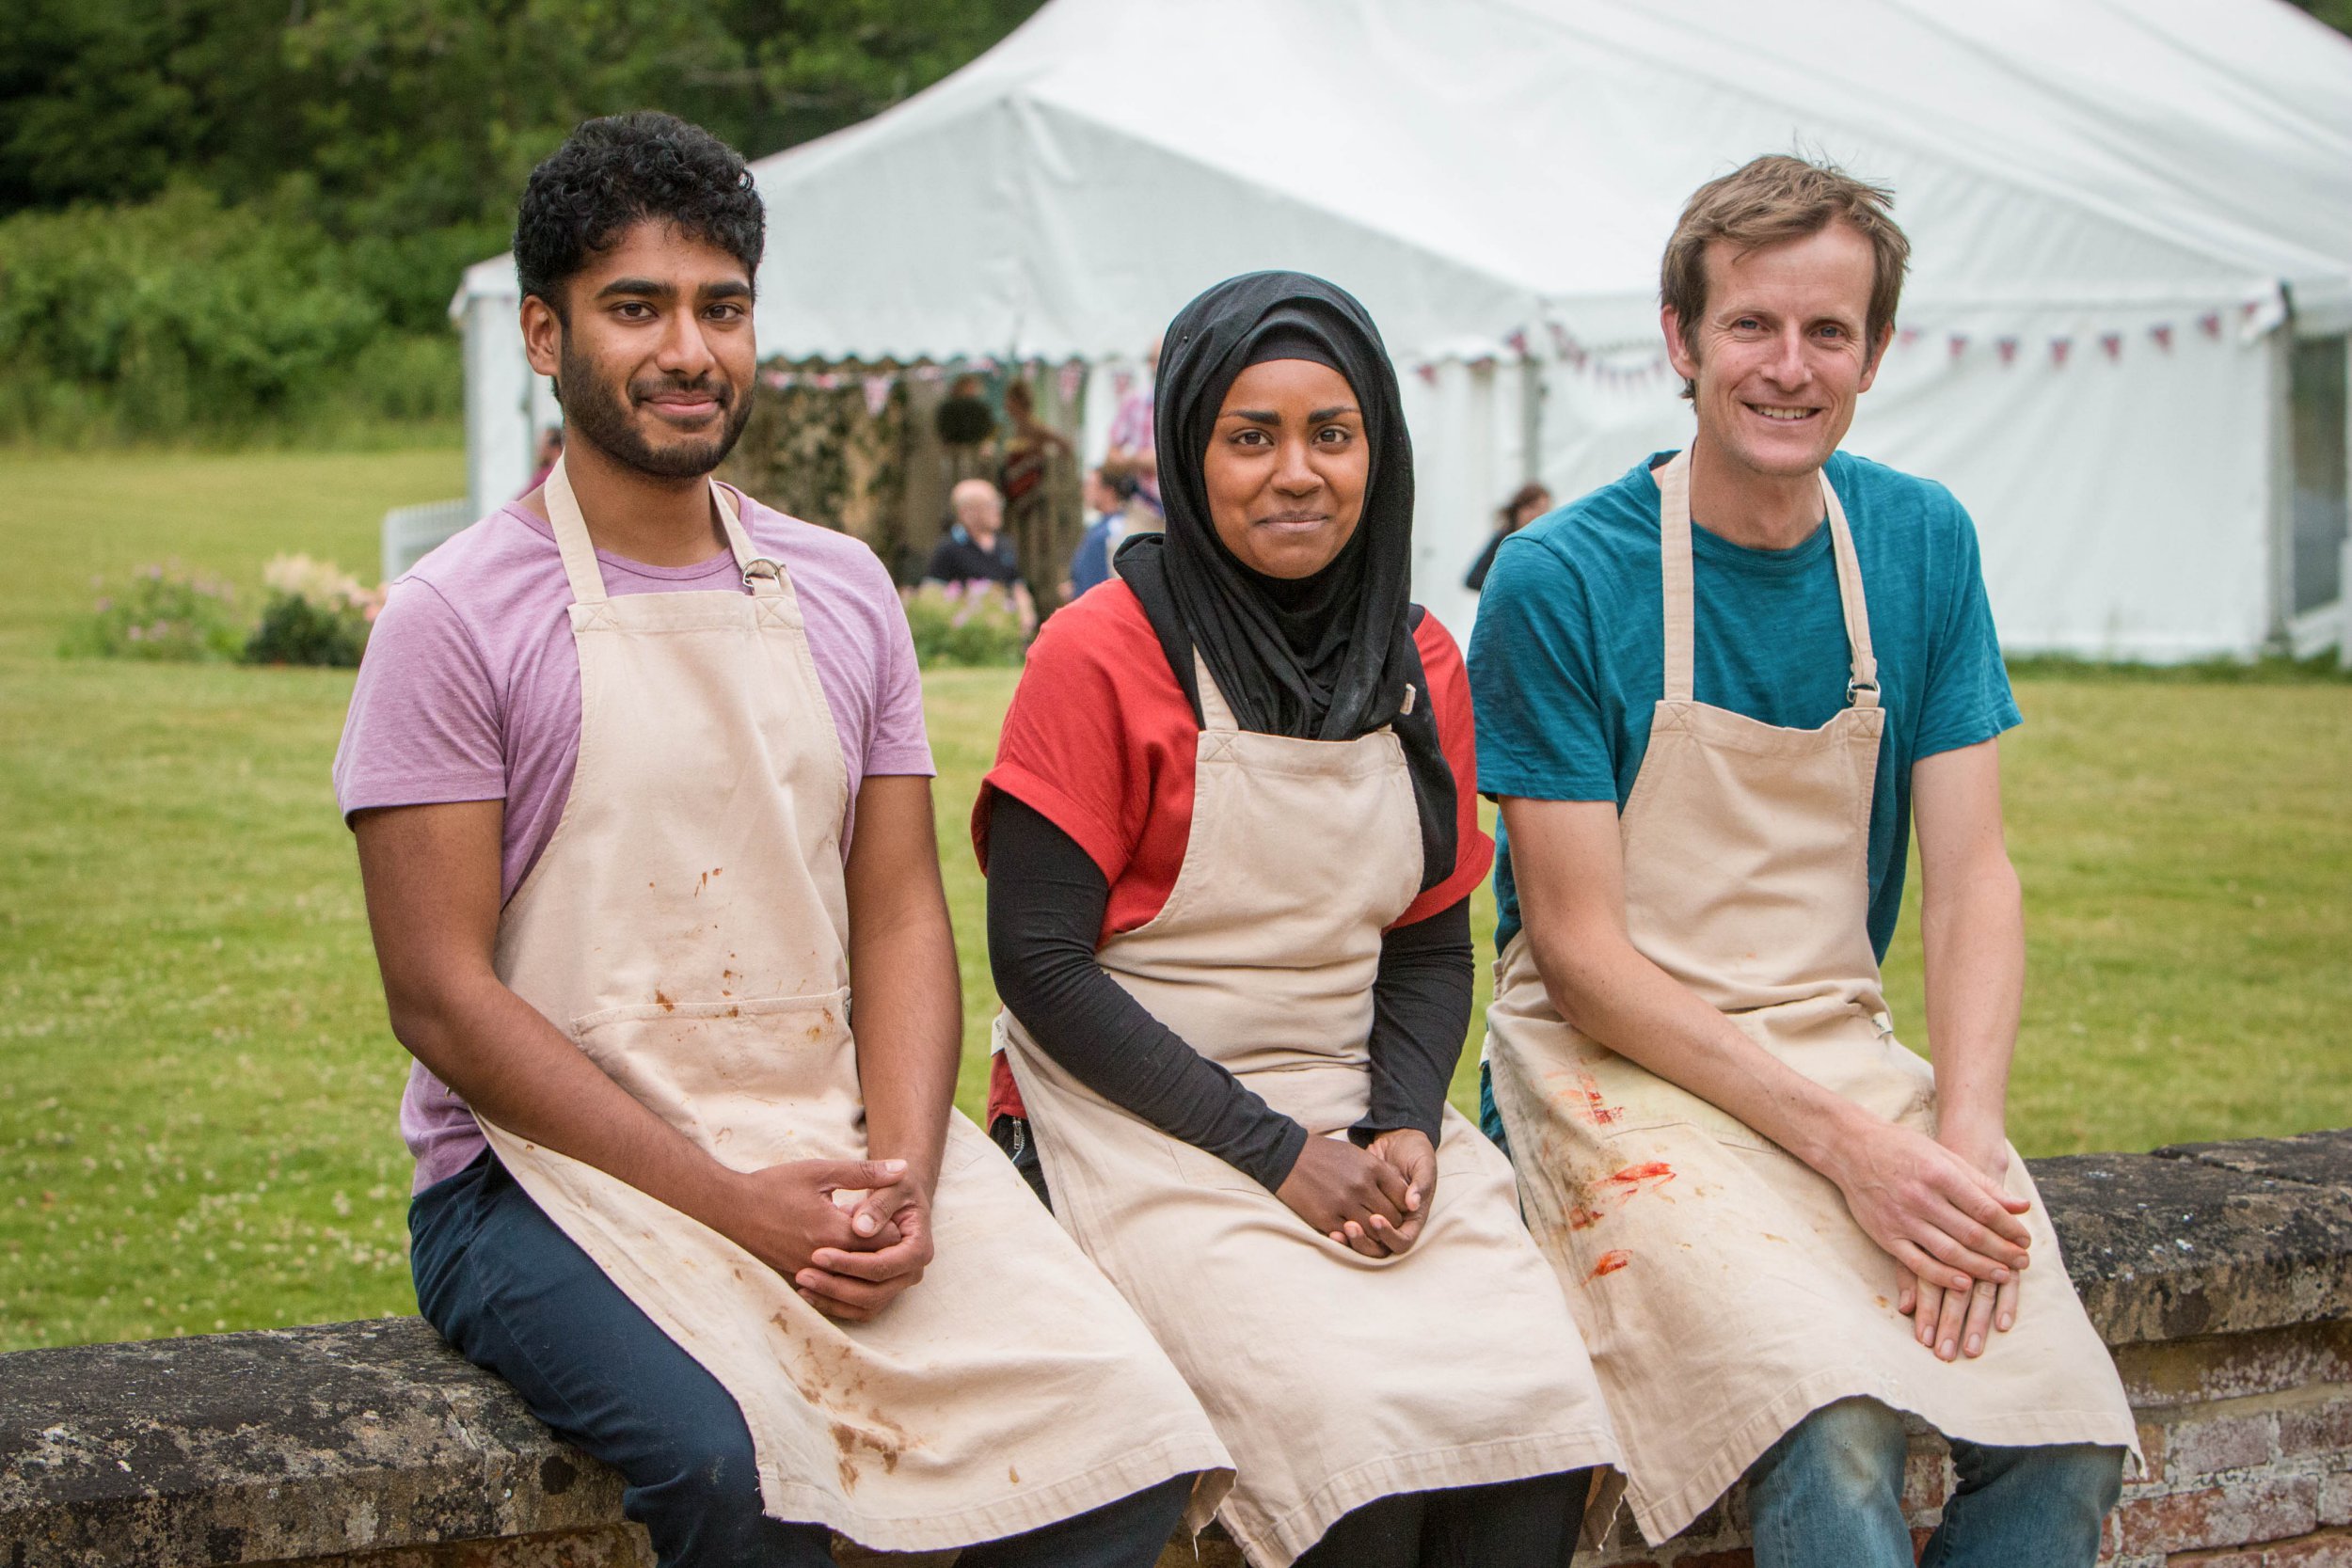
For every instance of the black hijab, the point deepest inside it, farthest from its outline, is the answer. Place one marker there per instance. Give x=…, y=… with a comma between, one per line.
x=1324, y=657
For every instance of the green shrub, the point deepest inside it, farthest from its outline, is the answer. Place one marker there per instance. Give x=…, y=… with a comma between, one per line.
x=965, y=624
x=183, y=317
x=164, y=612
x=314, y=614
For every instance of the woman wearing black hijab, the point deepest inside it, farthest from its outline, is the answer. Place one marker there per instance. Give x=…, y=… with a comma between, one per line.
x=1230, y=837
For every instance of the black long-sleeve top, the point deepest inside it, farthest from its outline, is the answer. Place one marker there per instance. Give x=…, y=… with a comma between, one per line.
x=1046, y=899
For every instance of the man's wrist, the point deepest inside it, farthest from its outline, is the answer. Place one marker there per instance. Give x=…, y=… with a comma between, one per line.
x=712, y=1195
x=1977, y=1133
x=1834, y=1136
x=922, y=1172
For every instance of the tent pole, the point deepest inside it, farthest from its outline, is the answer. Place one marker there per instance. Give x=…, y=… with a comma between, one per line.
x=2344, y=572
x=1530, y=419
x=2279, y=428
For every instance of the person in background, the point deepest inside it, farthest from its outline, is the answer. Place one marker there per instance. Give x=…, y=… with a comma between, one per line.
x=1131, y=444
x=1231, y=839
x=1108, y=491
x=976, y=548
x=1029, y=449
x=1531, y=501
x=1713, y=698
x=1025, y=473
x=601, y=763
x=543, y=463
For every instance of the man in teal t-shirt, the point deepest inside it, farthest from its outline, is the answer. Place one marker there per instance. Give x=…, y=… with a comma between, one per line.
x=1567, y=654
x=1712, y=699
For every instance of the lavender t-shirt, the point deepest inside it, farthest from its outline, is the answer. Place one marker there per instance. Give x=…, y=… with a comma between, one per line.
x=470, y=691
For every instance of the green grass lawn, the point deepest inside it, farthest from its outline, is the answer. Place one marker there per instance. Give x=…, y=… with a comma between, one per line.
x=197, y=1085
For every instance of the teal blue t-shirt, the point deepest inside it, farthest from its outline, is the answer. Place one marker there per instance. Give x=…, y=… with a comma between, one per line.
x=1567, y=657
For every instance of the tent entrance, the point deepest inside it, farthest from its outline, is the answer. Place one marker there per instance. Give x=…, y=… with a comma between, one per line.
x=2320, y=421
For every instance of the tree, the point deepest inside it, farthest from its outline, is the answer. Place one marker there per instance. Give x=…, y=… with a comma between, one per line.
x=403, y=129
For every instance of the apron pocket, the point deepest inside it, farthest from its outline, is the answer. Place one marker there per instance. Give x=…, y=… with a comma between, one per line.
x=1616, y=1096
x=755, y=1080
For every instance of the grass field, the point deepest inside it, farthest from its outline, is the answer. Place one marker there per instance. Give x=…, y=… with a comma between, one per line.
x=197, y=1085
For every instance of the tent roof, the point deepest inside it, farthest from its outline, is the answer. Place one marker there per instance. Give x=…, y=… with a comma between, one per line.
x=1474, y=168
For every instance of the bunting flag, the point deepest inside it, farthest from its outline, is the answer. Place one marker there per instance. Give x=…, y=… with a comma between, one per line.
x=1617, y=367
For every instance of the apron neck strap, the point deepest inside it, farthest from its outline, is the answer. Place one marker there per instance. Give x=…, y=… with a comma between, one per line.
x=1862, y=685
x=1215, y=715
x=763, y=574
x=1673, y=545
x=763, y=577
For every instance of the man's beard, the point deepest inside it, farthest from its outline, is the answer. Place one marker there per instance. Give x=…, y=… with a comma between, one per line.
x=598, y=412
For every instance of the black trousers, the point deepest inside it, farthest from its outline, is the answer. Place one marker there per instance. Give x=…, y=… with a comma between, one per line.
x=1516, y=1524
x=513, y=1294
x=1513, y=1524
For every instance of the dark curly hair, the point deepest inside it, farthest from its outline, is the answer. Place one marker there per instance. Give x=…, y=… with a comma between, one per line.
x=617, y=172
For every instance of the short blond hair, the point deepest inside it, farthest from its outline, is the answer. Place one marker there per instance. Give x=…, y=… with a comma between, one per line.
x=1776, y=199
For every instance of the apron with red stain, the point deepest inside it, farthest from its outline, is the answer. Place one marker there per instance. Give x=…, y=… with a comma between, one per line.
x=1724, y=1286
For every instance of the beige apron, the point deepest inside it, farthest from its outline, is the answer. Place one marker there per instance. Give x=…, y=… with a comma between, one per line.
x=687, y=926
x=1333, y=1378
x=1724, y=1286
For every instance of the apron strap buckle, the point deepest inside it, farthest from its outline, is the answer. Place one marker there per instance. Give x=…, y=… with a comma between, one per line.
x=762, y=569
x=1857, y=686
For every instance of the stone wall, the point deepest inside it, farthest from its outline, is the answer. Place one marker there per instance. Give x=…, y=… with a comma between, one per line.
x=2220, y=1274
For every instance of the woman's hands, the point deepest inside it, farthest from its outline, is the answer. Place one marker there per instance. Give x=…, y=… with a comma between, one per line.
x=1415, y=1158
x=1371, y=1199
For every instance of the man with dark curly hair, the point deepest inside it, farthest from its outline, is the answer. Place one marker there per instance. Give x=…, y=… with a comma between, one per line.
x=603, y=762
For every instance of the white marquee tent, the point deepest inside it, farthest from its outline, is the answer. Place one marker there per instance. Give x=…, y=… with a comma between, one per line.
x=2124, y=340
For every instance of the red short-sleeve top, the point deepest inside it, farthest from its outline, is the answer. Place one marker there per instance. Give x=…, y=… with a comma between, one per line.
x=1101, y=741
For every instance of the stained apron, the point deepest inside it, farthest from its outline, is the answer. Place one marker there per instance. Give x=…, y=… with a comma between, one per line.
x=1723, y=1285
x=1333, y=1378
x=687, y=926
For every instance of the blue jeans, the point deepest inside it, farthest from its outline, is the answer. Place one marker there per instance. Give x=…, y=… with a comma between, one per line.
x=1829, y=1494
x=514, y=1295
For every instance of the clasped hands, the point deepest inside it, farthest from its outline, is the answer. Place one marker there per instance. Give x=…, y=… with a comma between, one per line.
x=849, y=1234
x=1938, y=1207
x=1374, y=1199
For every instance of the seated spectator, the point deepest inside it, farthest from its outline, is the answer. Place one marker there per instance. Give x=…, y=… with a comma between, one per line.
x=1110, y=490
x=976, y=550
x=1531, y=501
